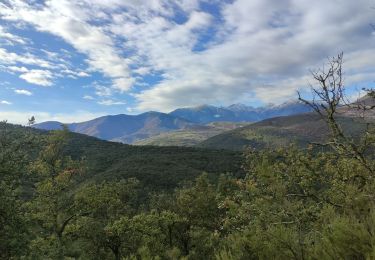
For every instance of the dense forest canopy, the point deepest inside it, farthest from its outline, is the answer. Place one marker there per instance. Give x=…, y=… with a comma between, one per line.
x=64, y=196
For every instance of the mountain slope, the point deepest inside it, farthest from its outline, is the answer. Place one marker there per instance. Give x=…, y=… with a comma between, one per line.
x=49, y=125
x=124, y=128
x=205, y=114
x=281, y=131
x=191, y=136
x=157, y=168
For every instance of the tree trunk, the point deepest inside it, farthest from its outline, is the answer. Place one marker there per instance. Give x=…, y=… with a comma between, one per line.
x=116, y=252
x=60, y=248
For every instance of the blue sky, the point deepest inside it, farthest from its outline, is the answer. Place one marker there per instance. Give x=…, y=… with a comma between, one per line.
x=75, y=60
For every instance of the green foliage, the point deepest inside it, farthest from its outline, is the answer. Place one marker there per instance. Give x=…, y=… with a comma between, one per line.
x=53, y=207
x=14, y=233
x=299, y=205
x=190, y=137
x=101, y=207
x=51, y=210
x=279, y=132
x=157, y=168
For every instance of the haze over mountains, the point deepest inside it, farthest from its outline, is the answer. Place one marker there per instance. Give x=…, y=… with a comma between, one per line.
x=132, y=128
x=300, y=129
x=124, y=128
x=239, y=112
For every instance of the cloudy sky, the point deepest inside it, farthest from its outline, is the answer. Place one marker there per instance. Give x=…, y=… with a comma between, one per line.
x=73, y=60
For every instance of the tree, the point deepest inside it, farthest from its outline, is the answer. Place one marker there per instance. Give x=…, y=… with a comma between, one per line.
x=103, y=205
x=14, y=235
x=328, y=100
x=200, y=215
x=31, y=121
x=53, y=206
x=136, y=234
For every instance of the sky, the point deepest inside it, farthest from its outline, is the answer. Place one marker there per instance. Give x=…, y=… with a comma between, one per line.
x=74, y=60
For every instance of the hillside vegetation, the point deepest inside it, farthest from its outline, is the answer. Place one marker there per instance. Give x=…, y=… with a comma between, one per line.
x=300, y=130
x=155, y=167
x=191, y=136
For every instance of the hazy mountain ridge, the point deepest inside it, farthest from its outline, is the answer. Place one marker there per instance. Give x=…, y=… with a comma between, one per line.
x=239, y=112
x=124, y=128
x=300, y=129
x=136, y=128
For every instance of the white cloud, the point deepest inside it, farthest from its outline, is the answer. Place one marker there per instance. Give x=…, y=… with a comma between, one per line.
x=123, y=84
x=102, y=91
x=38, y=77
x=4, y=34
x=69, y=20
x=87, y=97
x=258, y=49
x=82, y=74
x=17, y=69
x=264, y=49
x=110, y=102
x=142, y=70
x=23, y=92
x=4, y=102
x=11, y=58
x=57, y=66
x=75, y=74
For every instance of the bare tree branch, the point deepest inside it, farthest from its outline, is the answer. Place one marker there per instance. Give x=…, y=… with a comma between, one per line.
x=327, y=99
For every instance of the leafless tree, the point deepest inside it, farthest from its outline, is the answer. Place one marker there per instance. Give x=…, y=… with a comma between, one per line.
x=328, y=99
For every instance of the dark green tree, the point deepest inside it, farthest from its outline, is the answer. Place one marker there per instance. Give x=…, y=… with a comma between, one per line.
x=102, y=205
x=14, y=234
x=53, y=206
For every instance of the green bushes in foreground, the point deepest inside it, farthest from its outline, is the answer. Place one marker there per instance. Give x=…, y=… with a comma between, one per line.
x=292, y=204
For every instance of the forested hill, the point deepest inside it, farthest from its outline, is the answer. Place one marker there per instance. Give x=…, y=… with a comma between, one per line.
x=301, y=130
x=155, y=167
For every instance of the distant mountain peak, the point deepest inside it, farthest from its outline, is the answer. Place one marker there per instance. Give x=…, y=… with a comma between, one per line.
x=204, y=106
x=239, y=112
x=365, y=100
x=239, y=107
x=287, y=103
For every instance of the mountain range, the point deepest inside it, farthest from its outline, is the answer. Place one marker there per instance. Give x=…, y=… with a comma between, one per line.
x=136, y=128
x=277, y=132
x=233, y=127
x=299, y=129
x=239, y=112
x=124, y=128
